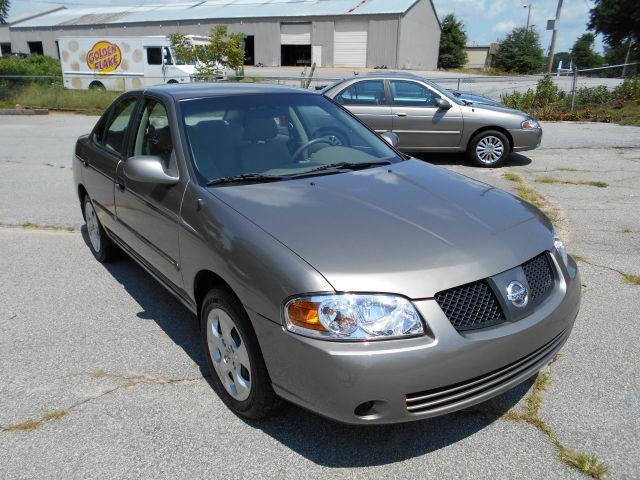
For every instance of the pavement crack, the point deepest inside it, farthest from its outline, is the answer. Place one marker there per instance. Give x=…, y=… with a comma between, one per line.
x=628, y=277
x=127, y=381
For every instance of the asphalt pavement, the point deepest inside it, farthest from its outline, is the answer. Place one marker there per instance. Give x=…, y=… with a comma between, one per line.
x=103, y=374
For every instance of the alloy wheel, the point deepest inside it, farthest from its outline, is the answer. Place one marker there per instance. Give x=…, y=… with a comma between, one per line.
x=93, y=227
x=489, y=149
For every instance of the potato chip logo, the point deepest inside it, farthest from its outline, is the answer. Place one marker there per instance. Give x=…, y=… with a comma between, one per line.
x=104, y=57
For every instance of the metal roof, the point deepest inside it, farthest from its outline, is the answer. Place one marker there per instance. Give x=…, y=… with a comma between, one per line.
x=217, y=9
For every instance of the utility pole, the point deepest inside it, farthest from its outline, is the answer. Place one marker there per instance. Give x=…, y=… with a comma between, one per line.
x=528, y=15
x=552, y=48
x=626, y=60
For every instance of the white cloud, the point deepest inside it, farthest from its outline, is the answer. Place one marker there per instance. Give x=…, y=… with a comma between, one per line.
x=504, y=26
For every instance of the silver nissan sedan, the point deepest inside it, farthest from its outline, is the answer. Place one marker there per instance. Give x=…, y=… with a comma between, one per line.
x=352, y=280
x=429, y=118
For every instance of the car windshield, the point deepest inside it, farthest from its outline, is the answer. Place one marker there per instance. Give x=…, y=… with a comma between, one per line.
x=280, y=136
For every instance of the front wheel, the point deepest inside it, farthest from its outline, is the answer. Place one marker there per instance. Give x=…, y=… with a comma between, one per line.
x=489, y=149
x=237, y=368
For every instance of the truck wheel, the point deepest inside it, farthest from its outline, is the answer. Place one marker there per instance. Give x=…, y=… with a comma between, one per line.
x=95, y=85
x=172, y=81
x=489, y=149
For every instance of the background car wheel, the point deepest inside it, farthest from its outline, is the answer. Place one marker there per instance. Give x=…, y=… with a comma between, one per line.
x=100, y=244
x=237, y=368
x=489, y=149
x=335, y=136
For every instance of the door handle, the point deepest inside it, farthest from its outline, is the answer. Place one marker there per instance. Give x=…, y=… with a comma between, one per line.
x=120, y=184
x=401, y=114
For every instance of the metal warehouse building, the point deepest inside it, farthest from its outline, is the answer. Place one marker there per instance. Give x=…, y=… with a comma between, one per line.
x=331, y=33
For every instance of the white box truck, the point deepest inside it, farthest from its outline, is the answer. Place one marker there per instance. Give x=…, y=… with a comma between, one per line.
x=122, y=63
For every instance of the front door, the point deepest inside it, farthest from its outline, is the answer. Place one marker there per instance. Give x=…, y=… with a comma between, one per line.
x=147, y=212
x=368, y=101
x=417, y=120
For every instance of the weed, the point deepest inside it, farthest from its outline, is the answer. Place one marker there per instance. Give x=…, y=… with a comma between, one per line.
x=631, y=279
x=512, y=177
x=30, y=425
x=578, y=258
x=591, y=183
x=568, y=169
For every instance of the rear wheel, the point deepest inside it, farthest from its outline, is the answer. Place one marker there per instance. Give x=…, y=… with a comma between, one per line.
x=99, y=243
x=97, y=86
x=489, y=149
x=237, y=368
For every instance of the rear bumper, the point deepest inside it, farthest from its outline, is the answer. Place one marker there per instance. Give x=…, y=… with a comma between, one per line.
x=526, y=139
x=421, y=377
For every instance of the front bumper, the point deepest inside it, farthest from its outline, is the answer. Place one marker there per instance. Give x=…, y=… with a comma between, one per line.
x=526, y=139
x=416, y=378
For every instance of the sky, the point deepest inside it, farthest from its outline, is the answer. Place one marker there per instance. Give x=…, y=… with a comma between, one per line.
x=485, y=21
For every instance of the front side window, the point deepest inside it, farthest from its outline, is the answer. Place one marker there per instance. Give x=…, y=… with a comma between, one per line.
x=367, y=92
x=411, y=94
x=153, y=136
x=281, y=135
x=154, y=55
x=116, y=128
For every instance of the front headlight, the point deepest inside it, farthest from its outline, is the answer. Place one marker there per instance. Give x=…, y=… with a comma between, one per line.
x=529, y=124
x=352, y=317
x=560, y=248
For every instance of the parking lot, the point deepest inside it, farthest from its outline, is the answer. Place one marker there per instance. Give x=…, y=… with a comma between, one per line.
x=103, y=374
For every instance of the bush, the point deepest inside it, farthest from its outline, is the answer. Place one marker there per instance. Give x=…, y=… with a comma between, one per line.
x=592, y=95
x=31, y=65
x=627, y=90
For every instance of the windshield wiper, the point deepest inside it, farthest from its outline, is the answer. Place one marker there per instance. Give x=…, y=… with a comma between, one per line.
x=342, y=166
x=245, y=178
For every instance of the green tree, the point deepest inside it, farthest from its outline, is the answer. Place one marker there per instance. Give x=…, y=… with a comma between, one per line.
x=453, y=41
x=565, y=57
x=616, y=20
x=520, y=52
x=4, y=10
x=583, y=54
x=224, y=50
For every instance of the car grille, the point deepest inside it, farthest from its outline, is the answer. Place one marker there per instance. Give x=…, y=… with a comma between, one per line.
x=539, y=276
x=470, y=306
x=450, y=395
x=475, y=305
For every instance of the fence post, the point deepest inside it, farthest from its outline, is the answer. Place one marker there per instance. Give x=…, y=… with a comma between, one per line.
x=574, y=86
x=458, y=83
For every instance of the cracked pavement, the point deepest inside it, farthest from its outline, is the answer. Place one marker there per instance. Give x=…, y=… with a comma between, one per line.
x=111, y=349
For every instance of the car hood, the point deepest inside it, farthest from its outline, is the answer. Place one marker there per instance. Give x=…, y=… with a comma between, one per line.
x=499, y=108
x=409, y=228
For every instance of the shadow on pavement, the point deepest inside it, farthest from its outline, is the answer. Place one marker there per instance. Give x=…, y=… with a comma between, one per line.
x=514, y=160
x=318, y=439
x=158, y=305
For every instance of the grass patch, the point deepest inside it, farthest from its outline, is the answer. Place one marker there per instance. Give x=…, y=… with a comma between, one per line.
x=528, y=194
x=54, y=96
x=591, y=183
x=583, y=462
x=39, y=226
x=568, y=169
x=30, y=425
x=577, y=258
x=512, y=177
x=631, y=279
x=627, y=230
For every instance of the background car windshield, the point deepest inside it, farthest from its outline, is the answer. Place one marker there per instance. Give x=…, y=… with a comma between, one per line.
x=278, y=134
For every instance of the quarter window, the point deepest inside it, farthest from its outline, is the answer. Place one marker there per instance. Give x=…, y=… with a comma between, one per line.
x=411, y=94
x=113, y=136
x=367, y=92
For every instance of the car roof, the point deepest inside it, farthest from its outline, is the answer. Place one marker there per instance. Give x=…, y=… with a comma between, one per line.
x=200, y=90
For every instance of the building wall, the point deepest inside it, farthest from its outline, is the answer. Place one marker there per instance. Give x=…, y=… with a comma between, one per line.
x=419, y=37
x=5, y=35
x=382, y=42
x=477, y=57
x=322, y=34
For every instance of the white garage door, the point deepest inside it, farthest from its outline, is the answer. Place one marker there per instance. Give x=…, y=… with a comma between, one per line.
x=350, y=44
x=295, y=34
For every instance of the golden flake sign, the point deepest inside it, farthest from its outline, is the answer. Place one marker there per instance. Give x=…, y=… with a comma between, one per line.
x=104, y=57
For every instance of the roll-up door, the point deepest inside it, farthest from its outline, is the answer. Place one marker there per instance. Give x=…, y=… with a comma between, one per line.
x=350, y=44
x=295, y=34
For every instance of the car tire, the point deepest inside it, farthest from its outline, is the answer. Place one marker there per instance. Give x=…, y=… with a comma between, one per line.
x=100, y=244
x=238, y=372
x=489, y=149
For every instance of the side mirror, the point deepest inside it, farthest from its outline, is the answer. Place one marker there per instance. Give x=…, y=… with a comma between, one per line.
x=391, y=138
x=443, y=104
x=148, y=169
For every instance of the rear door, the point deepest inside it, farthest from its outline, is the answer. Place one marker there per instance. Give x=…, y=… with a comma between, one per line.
x=102, y=154
x=417, y=120
x=368, y=100
x=148, y=212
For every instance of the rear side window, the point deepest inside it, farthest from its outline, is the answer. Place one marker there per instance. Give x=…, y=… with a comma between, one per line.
x=154, y=55
x=367, y=92
x=116, y=128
